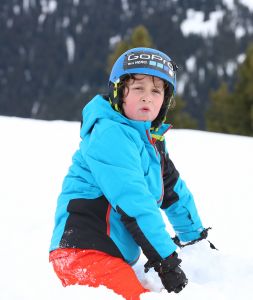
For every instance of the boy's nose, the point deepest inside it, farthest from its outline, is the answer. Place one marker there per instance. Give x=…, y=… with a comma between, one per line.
x=146, y=99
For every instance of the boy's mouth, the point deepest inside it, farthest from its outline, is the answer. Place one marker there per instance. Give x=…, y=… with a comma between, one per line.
x=145, y=109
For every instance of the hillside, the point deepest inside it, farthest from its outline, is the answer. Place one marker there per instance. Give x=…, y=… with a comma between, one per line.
x=53, y=54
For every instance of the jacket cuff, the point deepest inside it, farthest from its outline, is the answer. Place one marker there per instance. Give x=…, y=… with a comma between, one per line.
x=190, y=236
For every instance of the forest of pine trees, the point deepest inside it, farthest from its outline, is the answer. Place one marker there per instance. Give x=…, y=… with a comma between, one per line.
x=56, y=55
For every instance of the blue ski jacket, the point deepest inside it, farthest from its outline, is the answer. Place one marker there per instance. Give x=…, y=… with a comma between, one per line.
x=120, y=179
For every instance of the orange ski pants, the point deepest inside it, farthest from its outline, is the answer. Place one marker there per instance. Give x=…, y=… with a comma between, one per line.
x=94, y=268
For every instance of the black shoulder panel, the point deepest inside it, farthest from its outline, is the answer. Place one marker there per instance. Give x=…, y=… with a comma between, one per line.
x=170, y=176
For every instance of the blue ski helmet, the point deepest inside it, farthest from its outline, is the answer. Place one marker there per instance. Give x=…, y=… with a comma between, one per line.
x=146, y=61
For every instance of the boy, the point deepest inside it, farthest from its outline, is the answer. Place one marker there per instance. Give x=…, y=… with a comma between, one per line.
x=120, y=177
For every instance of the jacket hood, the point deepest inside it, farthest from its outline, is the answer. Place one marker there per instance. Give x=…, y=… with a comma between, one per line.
x=99, y=108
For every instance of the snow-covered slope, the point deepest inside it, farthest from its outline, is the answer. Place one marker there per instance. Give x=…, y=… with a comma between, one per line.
x=34, y=157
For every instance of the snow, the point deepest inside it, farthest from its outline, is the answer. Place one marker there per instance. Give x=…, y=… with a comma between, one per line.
x=247, y=3
x=191, y=64
x=114, y=40
x=241, y=57
x=181, y=83
x=202, y=74
x=16, y=9
x=218, y=168
x=230, y=4
x=231, y=66
x=239, y=32
x=48, y=7
x=26, y=5
x=76, y=2
x=65, y=22
x=125, y=5
x=220, y=71
x=70, y=45
x=195, y=23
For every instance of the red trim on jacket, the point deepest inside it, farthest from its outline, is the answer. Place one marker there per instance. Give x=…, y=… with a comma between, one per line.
x=162, y=169
x=108, y=230
x=152, y=141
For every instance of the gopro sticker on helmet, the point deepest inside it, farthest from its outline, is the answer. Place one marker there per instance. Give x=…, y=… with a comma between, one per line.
x=148, y=60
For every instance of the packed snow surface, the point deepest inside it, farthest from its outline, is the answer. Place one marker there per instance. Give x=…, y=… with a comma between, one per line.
x=218, y=168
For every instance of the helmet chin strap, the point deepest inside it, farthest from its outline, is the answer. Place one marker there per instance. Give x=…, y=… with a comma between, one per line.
x=172, y=102
x=114, y=95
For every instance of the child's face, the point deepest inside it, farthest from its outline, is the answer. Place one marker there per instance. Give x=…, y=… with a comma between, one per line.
x=143, y=98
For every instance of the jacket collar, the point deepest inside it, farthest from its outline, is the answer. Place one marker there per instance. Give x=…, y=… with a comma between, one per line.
x=100, y=108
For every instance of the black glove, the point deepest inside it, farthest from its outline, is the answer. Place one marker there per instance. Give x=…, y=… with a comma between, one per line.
x=172, y=276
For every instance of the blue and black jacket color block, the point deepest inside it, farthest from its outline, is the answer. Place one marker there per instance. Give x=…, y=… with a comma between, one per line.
x=119, y=181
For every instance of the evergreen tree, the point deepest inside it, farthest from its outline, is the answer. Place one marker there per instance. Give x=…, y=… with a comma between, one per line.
x=140, y=37
x=219, y=112
x=243, y=97
x=179, y=118
x=233, y=112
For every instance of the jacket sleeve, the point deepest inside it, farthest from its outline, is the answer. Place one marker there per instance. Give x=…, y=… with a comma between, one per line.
x=178, y=202
x=115, y=162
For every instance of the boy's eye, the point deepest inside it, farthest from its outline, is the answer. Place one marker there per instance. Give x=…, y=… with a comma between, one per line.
x=157, y=91
x=137, y=87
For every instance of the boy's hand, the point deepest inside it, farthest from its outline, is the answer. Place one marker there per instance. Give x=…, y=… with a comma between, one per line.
x=172, y=276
